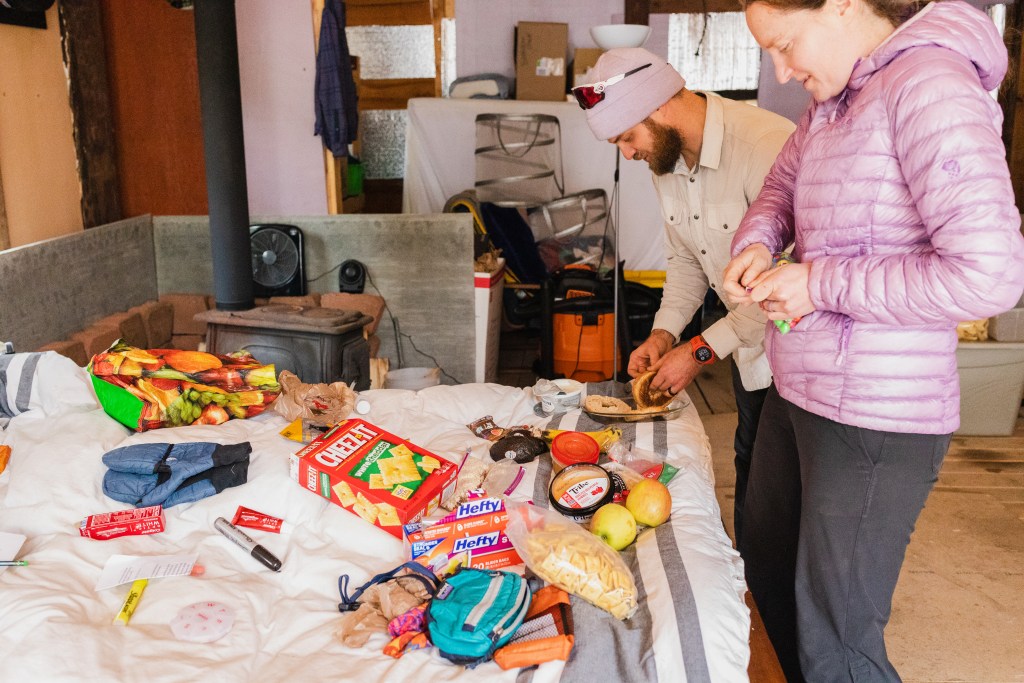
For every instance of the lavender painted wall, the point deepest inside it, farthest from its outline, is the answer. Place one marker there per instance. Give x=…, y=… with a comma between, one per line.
x=484, y=29
x=283, y=159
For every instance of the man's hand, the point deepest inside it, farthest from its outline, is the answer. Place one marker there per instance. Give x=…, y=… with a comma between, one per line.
x=743, y=270
x=650, y=352
x=676, y=370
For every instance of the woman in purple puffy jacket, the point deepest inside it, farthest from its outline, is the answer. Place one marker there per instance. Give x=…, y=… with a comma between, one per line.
x=896, y=197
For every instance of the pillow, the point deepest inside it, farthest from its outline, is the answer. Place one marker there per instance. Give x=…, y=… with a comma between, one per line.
x=46, y=381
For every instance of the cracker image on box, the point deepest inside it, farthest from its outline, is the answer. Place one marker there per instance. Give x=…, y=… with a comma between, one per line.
x=344, y=493
x=377, y=475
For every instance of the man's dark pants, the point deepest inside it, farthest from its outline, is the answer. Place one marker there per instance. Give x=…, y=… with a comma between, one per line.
x=748, y=405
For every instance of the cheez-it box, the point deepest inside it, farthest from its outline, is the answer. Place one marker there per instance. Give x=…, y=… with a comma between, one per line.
x=383, y=478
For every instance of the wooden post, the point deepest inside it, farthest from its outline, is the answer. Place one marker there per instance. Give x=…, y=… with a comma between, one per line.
x=335, y=168
x=1011, y=98
x=5, y=239
x=84, y=46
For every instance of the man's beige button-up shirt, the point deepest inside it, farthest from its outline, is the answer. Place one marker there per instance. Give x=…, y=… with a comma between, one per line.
x=702, y=208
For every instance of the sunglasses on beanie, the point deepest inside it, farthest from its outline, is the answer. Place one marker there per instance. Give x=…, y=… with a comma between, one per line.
x=589, y=95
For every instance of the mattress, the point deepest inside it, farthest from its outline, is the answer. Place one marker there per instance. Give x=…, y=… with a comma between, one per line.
x=692, y=623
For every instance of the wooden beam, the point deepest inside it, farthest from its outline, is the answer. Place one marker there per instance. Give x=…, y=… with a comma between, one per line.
x=81, y=25
x=5, y=238
x=693, y=6
x=388, y=12
x=394, y=93
x=637, y=12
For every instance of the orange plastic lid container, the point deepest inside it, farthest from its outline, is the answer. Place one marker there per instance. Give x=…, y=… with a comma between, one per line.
x=572, y=448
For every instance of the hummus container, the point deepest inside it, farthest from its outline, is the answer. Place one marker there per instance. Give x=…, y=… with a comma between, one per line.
x=573, y=448
x=563, y=396
x=578, y=491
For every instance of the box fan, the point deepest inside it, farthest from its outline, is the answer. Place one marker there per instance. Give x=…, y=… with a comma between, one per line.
x=277, y=260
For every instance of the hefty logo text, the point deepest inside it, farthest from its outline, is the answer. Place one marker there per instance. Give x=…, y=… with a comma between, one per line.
x=483, y=506
x=476, y=542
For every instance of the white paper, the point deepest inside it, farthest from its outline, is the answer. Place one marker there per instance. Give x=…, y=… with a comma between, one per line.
x=10, y=544
x=122, y=569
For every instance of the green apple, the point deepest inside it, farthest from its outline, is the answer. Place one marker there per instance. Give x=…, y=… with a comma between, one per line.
x=614, y=525
x=650, y=502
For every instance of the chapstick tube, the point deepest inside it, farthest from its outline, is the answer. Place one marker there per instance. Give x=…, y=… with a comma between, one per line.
x=250, y=546
x=131, y=601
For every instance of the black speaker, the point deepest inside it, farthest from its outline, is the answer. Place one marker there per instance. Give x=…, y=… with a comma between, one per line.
x=351, y=277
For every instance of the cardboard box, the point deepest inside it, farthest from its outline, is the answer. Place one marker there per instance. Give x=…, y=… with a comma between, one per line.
x=541, y=48
x=489, y=289
x=583, y=60
x=472, y=536
x=383, y=478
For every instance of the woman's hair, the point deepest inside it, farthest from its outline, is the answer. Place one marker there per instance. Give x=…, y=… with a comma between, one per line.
x=896, y=11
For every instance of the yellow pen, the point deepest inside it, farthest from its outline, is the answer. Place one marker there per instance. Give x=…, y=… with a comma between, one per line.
x=131, y=601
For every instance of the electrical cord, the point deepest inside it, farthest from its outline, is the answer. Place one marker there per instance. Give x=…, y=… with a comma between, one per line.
x=398, y=334
x=314, y=279
x=395, y=327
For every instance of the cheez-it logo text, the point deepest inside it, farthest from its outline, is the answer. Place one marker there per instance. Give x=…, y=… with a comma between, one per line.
x=335, y=453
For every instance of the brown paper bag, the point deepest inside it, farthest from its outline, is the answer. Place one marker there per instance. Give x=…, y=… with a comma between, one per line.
x=319, y=404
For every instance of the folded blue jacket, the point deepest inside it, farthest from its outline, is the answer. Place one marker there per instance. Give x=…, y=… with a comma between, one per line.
x=169, y=474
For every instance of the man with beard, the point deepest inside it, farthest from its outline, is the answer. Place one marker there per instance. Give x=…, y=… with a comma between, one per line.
x=708, y=156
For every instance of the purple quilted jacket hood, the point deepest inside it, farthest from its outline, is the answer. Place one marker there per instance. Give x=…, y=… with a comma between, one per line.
x=898, y=194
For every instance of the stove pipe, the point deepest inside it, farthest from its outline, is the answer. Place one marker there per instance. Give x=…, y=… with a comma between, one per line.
x=220, y=98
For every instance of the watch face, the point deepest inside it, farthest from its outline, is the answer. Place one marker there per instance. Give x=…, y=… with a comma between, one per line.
x=703, y=354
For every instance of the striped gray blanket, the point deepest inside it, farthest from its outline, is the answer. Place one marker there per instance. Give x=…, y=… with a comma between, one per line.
x=16, y=373
x=631, y=641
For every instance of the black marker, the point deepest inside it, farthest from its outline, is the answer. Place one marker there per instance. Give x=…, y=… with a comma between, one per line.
x=247, y=544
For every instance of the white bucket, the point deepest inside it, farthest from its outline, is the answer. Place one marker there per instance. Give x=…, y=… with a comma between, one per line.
x=412, y=378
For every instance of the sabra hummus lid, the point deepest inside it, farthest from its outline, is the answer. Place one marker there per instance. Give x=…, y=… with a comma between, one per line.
x=579, y=490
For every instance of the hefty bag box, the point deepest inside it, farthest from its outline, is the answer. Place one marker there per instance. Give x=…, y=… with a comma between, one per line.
x=381, y=477
x=472, y=536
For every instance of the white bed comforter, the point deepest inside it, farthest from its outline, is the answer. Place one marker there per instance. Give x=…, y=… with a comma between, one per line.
x=54, y=625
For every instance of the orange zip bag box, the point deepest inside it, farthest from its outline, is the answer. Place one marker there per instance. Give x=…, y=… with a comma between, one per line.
x=472, y=536
x=383, y=478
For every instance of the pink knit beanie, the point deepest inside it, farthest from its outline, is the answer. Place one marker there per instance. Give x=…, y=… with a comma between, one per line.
x=635, y=97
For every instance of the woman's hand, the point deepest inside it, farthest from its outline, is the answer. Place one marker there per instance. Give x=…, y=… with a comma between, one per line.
x=782, y=291
x=748, y=265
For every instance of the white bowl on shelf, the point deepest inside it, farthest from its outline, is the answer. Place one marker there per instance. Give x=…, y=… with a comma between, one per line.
x=610, y=36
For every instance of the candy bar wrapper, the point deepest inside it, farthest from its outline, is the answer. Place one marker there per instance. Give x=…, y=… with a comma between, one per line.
x=137, y=522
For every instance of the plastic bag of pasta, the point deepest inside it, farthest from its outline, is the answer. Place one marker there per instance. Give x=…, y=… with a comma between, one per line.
x=564, y=554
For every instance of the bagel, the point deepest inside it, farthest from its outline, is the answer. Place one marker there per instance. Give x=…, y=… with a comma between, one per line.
x=606, y=404
x=646, y=397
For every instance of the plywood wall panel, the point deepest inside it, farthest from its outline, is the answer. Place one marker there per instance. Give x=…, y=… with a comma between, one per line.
x=151, y=60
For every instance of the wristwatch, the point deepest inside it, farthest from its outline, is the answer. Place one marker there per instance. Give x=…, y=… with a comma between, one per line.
x=702, y=353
